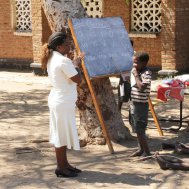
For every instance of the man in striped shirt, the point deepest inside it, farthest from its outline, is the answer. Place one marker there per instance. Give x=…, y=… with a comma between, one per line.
x=140, y=90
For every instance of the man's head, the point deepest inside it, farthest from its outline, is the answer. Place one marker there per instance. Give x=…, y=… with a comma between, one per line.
x=140, y=60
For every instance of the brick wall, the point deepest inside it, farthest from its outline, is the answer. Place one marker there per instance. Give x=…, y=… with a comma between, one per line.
x=37, y=29
x=12, y=46
x=152, y=45
x=144, y=42
x=168, y=52
x=117, y=8
x=46, y=32
x=175, y=35
x=182, y=35
x=41, y=30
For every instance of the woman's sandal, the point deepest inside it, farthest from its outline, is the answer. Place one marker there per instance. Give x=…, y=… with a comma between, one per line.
x=65, y=173
x=74, y=169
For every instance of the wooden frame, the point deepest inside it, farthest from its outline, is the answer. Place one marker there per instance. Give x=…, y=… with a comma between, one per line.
x=151, y=107
x=94, y=98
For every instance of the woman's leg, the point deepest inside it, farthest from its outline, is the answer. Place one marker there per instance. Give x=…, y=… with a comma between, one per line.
x=62, y=163
x=61, y=157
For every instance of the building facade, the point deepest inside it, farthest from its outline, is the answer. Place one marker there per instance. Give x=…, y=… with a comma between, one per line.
x=159, y=27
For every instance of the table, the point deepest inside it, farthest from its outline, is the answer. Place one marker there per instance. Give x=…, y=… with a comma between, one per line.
x=174, y=89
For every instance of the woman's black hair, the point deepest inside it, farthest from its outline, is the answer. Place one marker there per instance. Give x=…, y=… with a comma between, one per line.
x=57, y=38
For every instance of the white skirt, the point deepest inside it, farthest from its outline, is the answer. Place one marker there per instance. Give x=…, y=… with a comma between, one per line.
x=63, y=130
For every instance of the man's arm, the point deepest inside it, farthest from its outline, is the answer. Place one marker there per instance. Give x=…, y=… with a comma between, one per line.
x=140, y=85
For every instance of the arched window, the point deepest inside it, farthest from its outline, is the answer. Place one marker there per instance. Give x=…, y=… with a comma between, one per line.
x=146, y=16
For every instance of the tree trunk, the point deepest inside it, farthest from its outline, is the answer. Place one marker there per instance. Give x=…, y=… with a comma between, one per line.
x=57, y=13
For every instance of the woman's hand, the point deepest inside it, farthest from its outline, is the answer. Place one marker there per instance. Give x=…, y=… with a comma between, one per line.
x=78, y=59
x=81, y=55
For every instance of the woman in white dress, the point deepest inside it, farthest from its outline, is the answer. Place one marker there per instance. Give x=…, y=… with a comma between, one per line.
x=64, y=77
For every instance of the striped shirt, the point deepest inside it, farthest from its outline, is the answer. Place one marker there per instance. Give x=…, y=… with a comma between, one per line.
x=142, y=96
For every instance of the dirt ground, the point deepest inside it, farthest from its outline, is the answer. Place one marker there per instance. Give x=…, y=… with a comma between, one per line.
x=26, y=164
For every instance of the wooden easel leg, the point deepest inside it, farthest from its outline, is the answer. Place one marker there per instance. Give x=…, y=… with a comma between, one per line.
x=98, y=110
x=100, y=117
x=155, y=117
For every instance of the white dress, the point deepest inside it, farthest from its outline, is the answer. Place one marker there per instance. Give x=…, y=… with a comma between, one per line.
x=61, y=102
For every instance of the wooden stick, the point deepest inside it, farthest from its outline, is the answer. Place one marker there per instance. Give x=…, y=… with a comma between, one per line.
x=25, y=151
x=155, y=117
x=39, y=140
x=95, y=101
x=145, y=158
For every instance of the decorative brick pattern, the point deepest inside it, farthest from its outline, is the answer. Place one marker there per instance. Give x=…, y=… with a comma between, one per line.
x=23, y=15
x=93, y=7
x=146, y=16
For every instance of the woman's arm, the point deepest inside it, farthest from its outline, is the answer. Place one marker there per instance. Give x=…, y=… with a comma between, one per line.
x=77, y=62
x=76, y=79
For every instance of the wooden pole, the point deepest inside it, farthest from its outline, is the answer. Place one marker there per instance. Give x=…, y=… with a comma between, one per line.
x=98, y=110
x=155, y=117
x=94, y=98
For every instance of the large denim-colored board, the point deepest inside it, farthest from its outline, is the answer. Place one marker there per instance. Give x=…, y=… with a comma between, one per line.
x=106, y=44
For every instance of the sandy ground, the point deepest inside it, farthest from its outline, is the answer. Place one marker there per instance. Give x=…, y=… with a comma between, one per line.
x=26, y=164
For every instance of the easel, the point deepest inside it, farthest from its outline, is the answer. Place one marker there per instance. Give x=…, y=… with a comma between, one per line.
x=155, y=117
x=95, y=101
